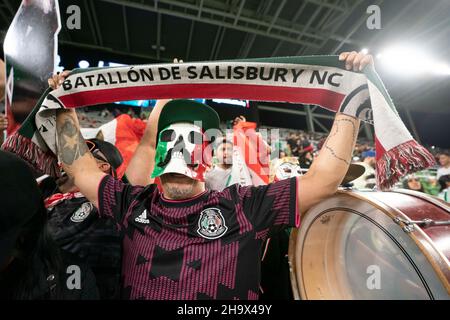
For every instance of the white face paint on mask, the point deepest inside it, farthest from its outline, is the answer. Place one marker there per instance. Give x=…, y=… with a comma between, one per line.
x=180, y=150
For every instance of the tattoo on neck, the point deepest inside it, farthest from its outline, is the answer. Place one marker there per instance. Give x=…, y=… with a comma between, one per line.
x=71, y=144
x=336, y=131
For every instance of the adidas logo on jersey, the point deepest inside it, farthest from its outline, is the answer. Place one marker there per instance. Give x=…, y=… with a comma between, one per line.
x=142, y=218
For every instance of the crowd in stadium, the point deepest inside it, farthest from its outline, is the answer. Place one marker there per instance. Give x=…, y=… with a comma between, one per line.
x=91, y=183
x=305, y=146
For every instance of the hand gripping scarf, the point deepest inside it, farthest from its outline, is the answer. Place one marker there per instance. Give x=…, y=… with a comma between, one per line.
x=314, y=80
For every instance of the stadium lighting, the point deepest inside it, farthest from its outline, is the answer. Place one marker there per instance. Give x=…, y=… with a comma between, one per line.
x=365, y=51
x=83, y=64
x=58, y=67
x=241, y=103
x=443, y=69
x=411, y=61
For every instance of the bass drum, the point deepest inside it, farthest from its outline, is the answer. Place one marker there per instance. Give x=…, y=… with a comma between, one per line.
x=372, y=245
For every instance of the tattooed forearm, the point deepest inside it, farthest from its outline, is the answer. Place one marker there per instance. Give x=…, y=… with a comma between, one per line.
x=336, y=156
x=335, y=131
x=71, y=144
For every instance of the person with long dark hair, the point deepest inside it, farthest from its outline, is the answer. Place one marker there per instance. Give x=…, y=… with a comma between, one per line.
x=31, y=265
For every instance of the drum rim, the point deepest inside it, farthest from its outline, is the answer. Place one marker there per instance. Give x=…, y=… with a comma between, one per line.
x=423, y=196
x=292, y=266
x=436, y=258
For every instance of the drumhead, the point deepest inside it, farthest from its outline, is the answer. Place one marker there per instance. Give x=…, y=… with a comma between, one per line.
x=350, y=248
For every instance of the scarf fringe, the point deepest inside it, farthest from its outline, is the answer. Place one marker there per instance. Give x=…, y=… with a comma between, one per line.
x=404, y=159
x=22, y=146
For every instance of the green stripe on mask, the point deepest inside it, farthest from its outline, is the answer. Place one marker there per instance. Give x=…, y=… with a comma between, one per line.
x=161, y=154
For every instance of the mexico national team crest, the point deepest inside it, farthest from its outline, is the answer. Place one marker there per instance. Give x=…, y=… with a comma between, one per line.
x=211, y=224
x=82, y=213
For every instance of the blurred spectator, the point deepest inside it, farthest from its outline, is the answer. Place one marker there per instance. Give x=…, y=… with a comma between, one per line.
x=430, y=185
x=76, y=227
x=306, y=160
x=367, y=180
x=297, y=148
x=31, y=265
x=444, y=182
x=444, y=162
x=219, y=177
x=305, y=152
x=321, y=143
x=305, y=145
x=292, y=143
x=105, y=113
x=413, y=183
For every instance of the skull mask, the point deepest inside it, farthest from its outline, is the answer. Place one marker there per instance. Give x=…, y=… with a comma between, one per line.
x=181, y=149
x=286, y=168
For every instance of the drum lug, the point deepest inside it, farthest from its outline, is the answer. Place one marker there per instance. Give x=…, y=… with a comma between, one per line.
x=408, y=225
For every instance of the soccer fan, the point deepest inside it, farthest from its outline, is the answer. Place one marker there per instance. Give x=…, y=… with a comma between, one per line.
x=77, y=228
x=186, y=242
x=444, y=182
x=219, y=177
x=444, y=162
x=32, y=267
x=413, y=183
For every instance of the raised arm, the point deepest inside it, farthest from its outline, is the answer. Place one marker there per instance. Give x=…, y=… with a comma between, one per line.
x=76, y=159
x=329, y=168
x=142, y=163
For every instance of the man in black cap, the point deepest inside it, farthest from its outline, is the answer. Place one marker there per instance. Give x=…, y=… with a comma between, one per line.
x=77, y=228
x=31, y=264
x=186, y=242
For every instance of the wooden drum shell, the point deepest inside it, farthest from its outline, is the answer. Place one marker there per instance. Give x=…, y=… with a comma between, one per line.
x=319, y=250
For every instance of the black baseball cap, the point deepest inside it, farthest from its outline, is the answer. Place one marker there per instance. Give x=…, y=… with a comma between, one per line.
x=20, y=200
x=107, y=152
